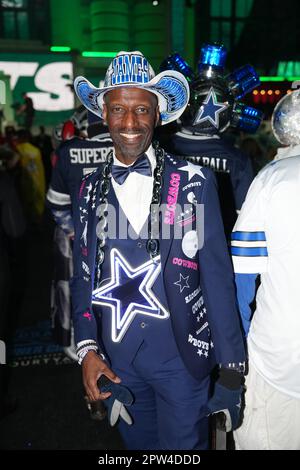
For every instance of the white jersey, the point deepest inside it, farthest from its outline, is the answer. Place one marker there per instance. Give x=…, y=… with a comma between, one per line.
x=266, y=240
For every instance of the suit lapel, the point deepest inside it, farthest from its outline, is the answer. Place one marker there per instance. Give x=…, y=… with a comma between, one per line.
x=93, y=219
x=170, y=197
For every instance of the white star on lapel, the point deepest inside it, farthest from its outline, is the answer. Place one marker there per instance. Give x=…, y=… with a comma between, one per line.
x=192, y=170
x=88, y=196
x=122, y=318
x=179, y=282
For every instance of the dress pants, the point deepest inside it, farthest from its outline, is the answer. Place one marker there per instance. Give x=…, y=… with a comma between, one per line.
x=169, y=410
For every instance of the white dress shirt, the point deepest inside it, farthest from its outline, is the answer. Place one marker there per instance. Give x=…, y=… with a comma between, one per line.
x=135, y=194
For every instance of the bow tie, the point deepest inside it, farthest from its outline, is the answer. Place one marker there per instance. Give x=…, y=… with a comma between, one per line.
x=141, y=165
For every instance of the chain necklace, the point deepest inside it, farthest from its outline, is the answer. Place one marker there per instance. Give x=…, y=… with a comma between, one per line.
x=152, y=244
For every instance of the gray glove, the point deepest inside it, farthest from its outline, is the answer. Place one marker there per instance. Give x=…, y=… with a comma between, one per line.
x=120, y=396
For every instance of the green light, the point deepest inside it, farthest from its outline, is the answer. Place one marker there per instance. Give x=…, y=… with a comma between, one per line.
x=60, y=49
x=98, y=54
x=272, y=79
x=288, y=69
x=276, y=78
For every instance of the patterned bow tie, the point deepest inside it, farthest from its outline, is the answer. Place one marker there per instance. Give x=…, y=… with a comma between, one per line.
x=141, y=165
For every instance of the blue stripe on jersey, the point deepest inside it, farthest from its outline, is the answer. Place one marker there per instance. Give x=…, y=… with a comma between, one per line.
x=255, y=251
x=248, y=236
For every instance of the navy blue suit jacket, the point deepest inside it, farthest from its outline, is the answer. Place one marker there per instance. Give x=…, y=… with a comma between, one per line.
x=221, y=340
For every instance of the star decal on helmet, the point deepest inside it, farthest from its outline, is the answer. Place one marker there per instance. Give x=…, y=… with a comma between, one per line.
x=210, y=109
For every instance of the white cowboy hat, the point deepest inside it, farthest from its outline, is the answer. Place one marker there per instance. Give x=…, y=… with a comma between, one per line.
x=131, y=69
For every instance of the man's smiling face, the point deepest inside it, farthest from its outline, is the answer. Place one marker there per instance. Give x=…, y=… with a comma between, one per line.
x=131, y=115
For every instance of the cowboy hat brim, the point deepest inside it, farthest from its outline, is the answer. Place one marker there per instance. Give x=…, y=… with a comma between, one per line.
x=170, y=87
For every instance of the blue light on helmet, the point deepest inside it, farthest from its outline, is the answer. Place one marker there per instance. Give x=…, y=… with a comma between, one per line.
x=246, y=118
x=243, y=80
x=176, y=62
x=214, y=55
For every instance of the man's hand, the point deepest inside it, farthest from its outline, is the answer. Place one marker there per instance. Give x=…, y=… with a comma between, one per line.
x=92, y=369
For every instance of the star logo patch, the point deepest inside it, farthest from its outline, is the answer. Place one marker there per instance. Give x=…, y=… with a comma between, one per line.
x=182, y=282
x=129, y=292
x=210, y=109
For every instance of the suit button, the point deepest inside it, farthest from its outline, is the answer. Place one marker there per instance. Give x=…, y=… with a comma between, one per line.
x=143, y=325
x=140, y=244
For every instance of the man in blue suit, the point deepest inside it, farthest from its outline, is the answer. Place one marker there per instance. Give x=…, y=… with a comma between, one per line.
x=154, y=266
